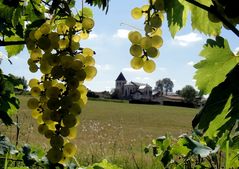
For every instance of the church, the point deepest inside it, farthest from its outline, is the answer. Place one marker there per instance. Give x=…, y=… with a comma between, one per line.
x=132, y=90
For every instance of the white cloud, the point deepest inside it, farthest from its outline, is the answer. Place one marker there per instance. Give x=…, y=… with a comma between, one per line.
x=105, y=67
x=131, y=70
x=191, y=63
x=93, y=36
x=121, y=33
x=187, y=39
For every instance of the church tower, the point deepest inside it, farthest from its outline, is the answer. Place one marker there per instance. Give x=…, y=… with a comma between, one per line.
x=119, y=84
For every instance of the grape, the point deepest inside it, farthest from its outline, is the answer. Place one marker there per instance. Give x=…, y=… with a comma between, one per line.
x=69, y=120
x=45, y=68
x=33, y=68
x=136, y=13
x=136, y=50
x=36, y=54
x=89, y=61
x=75, y=95
x=56, y=141
x=134, y=37
x=35, y=113
x=37, y=34
x=44, y=43
x=64, y=131
x=45, y=28
x=54, y=155
x=78, y=26
x=145, y=8
x=70, y=22
x=33, y=82
x=69, y=149
x=155, y=21
x=77, y=64
x=159, y=5
x=136, y=62
x=84, y=35
x=32, y=103
x=75, y=109
x=152, y=52
x=157, y=32
x=90, y=72
x=73, y=133
x=149, y=66
x=53, y=103
x=54, y=38
x=148, y=28
x=48, y=133
x=42, y=128
x=146, y=42
x=88, y=52
x=76, y=38
x=157, y=41
x=62, y=28
x=32, y=35
x=35, y=91
x=75, y=45
x=39, y=120
x=88, y=23
x=63, y=43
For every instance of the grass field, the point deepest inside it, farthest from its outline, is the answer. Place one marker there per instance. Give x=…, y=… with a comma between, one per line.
x=115, y=131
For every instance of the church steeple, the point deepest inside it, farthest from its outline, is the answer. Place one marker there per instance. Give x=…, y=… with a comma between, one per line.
x=120, y=77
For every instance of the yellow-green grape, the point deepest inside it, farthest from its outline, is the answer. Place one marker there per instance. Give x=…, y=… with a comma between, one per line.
x=61, y=87
x=45, y=68
x=77, y=64
x=80, y=57
x=66, y=60
x=69, y=120
x=134, y=37
x=35, y=91
x=88, y=52
x=69, y=149
x=149, y=66
x=42, y=128
x=32, y=35
x=55, y=116
x=44, y=43
x=159, y=5
x=56, y=72
x=76, y=38
x=53, y=59
x=66, y=102
x=39, y=120
x=84, y=35
x=82, y=89
x=88, y=23
x=90, y=72
x=155, y=21
x=73, y=133
x=64, y=160
x=136, y=50
x=33, y=82
x=146, y=42
x=75, y=95
x=152, y=52
x=89, y=61
x=49, y=133
x=31, y=44
x=70, y=21
x=37, y=34
x=54, y=155
x=56, y=141
x=78, y=26
x=54, y=38
x=36, y=54
x=148, y=28
x=136, y=13
x=157, y=41
x=35, y=113
x=160, y=14
x=30, y=61
x=32, y=103
x=63, y=43
x=62, y=28
x=33, y=68
x=65, y=131
x=53, y=103
x=75, y=109
x=213, y=18
x=81, y=75
x=75, y=45
x=51, y=125
x=53, y=92
x=45, y=28
x=136, y=62
x=46, y=116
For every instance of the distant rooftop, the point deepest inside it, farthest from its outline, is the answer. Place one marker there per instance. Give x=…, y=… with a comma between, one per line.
x=121, y=77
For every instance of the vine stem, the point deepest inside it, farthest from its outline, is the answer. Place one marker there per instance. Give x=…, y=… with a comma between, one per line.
x=214, y=11
x=9, y=43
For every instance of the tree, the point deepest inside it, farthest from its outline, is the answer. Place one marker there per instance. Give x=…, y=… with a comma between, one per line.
x=188, y=93
x=159, y=85
x=167, y=85
x=19, y=80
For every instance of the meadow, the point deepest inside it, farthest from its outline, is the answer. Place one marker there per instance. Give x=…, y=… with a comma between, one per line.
x=110, y=130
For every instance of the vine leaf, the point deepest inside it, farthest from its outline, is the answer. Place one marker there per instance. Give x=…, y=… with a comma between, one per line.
x=176, y=15
x=219, y=60
x=201, y=22
x=17, y=14
x=14, y=49
x=222, y=106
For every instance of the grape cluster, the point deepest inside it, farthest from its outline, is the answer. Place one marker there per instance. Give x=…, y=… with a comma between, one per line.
x=59, y=95
x=228, y=9
x=146, y=48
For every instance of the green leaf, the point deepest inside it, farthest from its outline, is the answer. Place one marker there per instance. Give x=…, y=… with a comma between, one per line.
x=219, y=60
x=14, y=49
x=218, y=121
x=17, y=168
x=176, y=15
x=216, y=104
x=6, y=12
x=100, y=3
x=201, y=22
x=86, y=12
x=16, y=16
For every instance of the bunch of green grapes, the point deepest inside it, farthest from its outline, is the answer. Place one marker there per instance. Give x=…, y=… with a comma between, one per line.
x=59, y=96
x=145, y=48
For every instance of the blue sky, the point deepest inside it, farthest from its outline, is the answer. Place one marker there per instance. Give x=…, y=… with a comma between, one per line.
x=109, y=40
